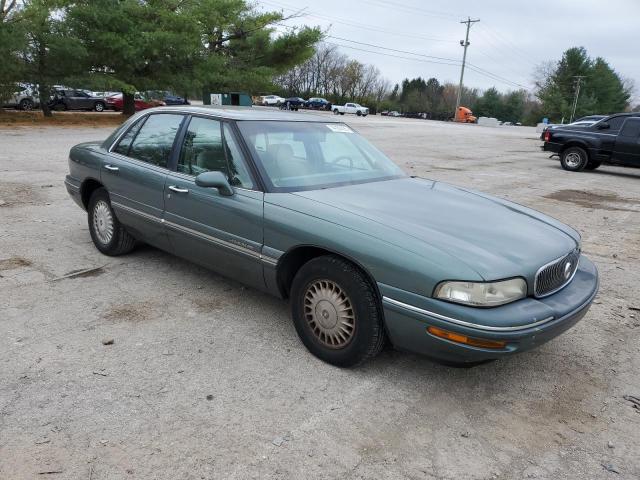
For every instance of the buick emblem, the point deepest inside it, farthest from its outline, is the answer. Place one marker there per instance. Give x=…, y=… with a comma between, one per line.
x=567, y=270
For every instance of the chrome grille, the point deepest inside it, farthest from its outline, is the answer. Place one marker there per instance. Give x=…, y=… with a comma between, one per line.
x=555, y=275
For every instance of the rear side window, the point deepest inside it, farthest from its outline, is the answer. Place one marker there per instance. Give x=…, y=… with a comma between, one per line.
x=154, y=141
x=631, y=128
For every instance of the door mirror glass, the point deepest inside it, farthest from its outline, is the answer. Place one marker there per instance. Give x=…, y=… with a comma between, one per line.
x=215, y=180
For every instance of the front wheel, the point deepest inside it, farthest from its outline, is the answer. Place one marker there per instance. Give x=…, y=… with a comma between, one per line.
x=107, y=233
x=335, y=111
x=99, y=107
x=336, y=313
x=359, y=113
x=574, y=159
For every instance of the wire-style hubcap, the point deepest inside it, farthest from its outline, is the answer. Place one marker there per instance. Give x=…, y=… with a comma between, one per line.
x=573, y=159
x=329, y=314
x=103, y=222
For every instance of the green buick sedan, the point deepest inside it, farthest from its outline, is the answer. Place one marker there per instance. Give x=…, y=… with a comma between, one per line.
x=304, y=208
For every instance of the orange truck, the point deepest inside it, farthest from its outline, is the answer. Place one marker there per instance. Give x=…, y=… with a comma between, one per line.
x=465, y=115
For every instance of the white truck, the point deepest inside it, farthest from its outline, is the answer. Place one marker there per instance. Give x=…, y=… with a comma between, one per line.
x=354, y=108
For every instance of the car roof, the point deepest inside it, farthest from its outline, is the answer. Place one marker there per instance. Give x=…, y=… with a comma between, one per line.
x=630, y=114
x=248, y=113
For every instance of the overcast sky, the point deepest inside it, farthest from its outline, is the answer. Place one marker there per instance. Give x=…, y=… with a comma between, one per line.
x=511, y=38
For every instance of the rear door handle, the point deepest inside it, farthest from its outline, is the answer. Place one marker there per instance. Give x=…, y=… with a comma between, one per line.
x=178, y=189
x=111, y=168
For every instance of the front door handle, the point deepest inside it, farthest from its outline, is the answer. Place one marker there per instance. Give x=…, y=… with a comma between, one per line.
x=111, y=168
x=178, y=189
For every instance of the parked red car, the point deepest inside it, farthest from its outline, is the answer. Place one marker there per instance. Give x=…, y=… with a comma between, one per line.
x=115, y=102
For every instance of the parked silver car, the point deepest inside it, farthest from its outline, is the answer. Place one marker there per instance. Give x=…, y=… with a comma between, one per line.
x=24, y=98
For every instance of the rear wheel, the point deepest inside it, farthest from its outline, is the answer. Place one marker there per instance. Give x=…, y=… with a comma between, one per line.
x=26, y=104
x=574, y=159
x=335, y=312
x=108, y=235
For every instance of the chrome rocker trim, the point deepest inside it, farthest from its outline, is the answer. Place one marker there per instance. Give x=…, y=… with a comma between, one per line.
x=222, y=243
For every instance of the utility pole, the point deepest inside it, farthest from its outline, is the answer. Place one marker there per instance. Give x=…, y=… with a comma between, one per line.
x=575, y=100
x=465, y=43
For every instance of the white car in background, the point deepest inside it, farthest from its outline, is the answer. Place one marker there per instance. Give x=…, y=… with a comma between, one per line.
x=269, y=100
x=25, y=98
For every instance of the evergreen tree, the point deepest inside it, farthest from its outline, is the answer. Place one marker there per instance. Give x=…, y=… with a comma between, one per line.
x=214, y=44
x=602, y=90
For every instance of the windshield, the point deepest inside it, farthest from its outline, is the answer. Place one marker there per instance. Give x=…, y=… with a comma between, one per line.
x=296, y=156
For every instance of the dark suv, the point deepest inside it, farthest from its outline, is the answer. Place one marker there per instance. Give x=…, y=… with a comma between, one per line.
x=613, y=140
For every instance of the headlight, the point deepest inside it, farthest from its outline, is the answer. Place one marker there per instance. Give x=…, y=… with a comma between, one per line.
x=479, y=294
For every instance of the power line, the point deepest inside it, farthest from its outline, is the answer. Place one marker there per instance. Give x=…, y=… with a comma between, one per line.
x=494, y=75
x=392, y=49
x=391, y=55
x=351, y=23
x=413, y=10
x=517, y=55
x=471, y=67
x=509, y=44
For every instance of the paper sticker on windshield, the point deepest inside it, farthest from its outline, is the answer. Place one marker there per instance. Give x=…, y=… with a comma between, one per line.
x=336, y=127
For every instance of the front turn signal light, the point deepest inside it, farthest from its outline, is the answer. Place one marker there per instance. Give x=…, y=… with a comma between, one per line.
x=459, y=338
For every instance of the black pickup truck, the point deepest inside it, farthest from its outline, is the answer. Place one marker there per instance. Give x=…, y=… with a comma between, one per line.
x=613, y=140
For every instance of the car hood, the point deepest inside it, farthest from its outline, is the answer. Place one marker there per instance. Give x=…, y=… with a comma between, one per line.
x=494, y=237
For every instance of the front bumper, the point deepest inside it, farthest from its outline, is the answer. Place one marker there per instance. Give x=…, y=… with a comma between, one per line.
x=523, y=325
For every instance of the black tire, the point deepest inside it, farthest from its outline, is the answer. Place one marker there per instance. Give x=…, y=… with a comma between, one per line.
x=358, y=342
x=592, y=165
x=574, y=159
x=359, y=113
x=26, y=104
x=120, y=241
x=335, y=111
x=99, y=107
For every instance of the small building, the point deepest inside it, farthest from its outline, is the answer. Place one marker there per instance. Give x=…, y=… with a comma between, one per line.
x=237, y=99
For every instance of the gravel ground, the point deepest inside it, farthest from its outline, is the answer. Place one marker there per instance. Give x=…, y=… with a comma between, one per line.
x=206, y=379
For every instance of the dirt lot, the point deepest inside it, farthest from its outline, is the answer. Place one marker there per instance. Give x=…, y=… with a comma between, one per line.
x=207, y=379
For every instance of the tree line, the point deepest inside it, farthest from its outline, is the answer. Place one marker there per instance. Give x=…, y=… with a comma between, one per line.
x=333, y=75
x=139, y=45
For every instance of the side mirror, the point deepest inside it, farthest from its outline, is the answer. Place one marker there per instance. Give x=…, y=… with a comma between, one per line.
x=603, y=126
x=215, y=180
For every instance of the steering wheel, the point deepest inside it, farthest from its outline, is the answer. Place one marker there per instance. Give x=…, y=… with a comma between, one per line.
x=342, y=157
